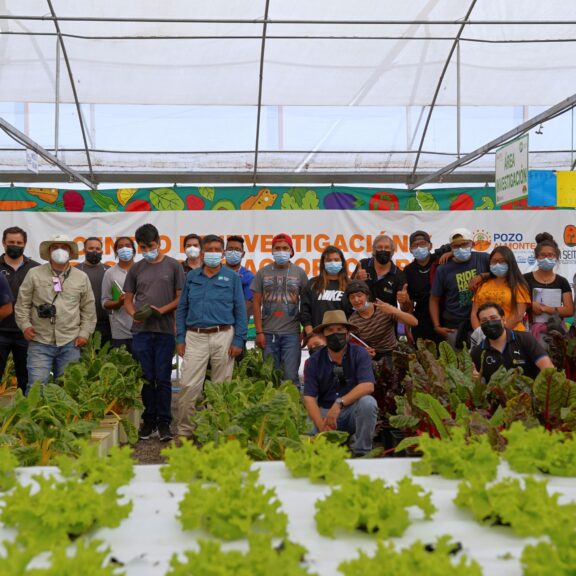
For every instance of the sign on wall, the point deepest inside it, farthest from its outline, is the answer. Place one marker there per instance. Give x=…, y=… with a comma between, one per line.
x=512, y=171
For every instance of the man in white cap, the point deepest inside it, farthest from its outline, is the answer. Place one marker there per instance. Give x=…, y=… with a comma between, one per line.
x=55, y=310
x=451, y=321
x=338, y=384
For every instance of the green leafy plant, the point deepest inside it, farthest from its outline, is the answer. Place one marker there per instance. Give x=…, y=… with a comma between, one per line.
x=369, y=505
x=263, y=417
x=42, y=425
x=538, y=450
x=262, y=559
x=529, y=510
x=233, y=508
x=88, y=559
x=458, y=456
x=554, y=397
x=210, y=463
x=416, y=559
x=54, y=510
x=319, y=460
x=8, y=463
x=549, y=559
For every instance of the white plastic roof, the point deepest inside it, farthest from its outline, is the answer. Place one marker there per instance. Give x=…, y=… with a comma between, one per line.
x=356, y=80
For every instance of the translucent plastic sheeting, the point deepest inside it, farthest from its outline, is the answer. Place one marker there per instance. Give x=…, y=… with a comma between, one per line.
x=148, y=538
x=347, y=61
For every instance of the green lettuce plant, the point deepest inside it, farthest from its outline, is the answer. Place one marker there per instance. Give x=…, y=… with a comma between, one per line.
x=416, y=559
x=319, y=460
x=8, y=463
x=261, y=559
x=371, y=506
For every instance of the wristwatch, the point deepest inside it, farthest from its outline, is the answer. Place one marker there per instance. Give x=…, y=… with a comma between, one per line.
x=340, y=402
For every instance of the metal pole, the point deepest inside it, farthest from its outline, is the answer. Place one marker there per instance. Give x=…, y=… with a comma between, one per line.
x=30, y=144
x=552, y=112
x=57, y=101
x=260, y=81
x=458, y=102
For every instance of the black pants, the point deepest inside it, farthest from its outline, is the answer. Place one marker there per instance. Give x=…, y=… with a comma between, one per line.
x=16, y=343
x=105, y=332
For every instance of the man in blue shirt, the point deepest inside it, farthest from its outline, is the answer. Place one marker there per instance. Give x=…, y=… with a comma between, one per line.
x=210, y=327
x=338, y=383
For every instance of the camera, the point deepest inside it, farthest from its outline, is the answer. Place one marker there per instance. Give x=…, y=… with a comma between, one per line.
x=339, y=378
x=46, y=311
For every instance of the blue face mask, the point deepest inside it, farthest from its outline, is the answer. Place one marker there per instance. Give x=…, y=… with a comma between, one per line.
x=333, y=267
x=281, y=257
x=421, y=253
x=233, y=257
x=125, y=254
x=212, y=259
x=500, y=269
x=151, y=255
x=462, y=254
x=547, y=264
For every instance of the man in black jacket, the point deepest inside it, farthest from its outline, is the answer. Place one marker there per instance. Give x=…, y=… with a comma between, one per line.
x=14, y=266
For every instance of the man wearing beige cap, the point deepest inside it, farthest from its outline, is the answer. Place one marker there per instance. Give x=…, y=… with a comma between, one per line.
x=338, y=384
x=55, y=310
x=451, y=297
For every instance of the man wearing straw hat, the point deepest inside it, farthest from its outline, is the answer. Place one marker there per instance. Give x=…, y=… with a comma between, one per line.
x=338, y=383
x=55, y=310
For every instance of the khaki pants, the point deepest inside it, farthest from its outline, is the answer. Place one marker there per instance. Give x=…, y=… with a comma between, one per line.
x=201, y=348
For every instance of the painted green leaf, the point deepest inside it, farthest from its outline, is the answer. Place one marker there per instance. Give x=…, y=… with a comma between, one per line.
x=413, y=205
x=487, y=204
x=166, y=199
x=426, y=200
x=104, y=202
x=207, y=193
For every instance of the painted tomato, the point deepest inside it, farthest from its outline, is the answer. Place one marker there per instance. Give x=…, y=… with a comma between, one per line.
x=462, y=202
x=194, y=203
x=73, y=201
x=384, y=201
x=138, y=206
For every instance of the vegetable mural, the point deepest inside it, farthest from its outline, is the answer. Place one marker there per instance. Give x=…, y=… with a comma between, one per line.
x=179, y=198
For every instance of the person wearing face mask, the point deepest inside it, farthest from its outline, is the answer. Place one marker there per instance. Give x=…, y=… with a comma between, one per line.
x=233, y=255
x=327, y=291
x=338, y=385
x=55, y=310
x=113, y=295
x=551, y=292
x=14, y=266
x=419, y=276
x=192, y=249
x=152, y=290
x=211, y=326
x=451, y=289
x=277, y=290
x=505, y=286
x=504, y=347
x=95, y=270
x=383, y=277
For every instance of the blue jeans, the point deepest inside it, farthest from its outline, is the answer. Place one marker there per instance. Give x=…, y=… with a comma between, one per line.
x=154, y=351
x=46, y=358
x=359, y=420
x=285, y=349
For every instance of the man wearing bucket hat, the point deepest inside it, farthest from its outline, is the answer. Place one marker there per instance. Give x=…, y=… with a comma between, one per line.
x=338, y=383
x=55, y=310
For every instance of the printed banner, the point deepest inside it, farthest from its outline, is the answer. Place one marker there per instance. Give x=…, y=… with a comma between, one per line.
x=192, y=199
x=352, y=231
x=512, y=171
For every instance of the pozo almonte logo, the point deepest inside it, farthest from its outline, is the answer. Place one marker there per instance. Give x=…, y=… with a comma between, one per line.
x=482, y=240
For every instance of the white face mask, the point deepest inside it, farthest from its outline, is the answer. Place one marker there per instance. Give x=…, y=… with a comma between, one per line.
x=192, y=252
x=60, y=256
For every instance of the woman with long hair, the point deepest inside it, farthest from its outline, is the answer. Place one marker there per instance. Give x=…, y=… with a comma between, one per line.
x=506, y=287
x=325, y=291
x=551, y=293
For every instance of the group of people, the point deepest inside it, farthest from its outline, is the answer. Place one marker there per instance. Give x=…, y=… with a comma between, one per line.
x=350, y=322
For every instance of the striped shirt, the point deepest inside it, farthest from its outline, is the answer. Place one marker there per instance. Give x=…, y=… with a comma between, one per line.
x=378, y=331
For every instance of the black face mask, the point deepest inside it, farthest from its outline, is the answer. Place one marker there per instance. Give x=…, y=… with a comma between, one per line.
x=492, y=329
x=383, y=256
x=93, y=257
x=14, y=251
x=336, y=342
x=314, y=350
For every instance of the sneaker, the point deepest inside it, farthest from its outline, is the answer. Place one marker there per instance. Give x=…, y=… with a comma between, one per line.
x=164, y=433
x=146, y=431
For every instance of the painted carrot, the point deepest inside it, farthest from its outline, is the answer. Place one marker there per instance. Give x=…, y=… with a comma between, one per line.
x=17, y=204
